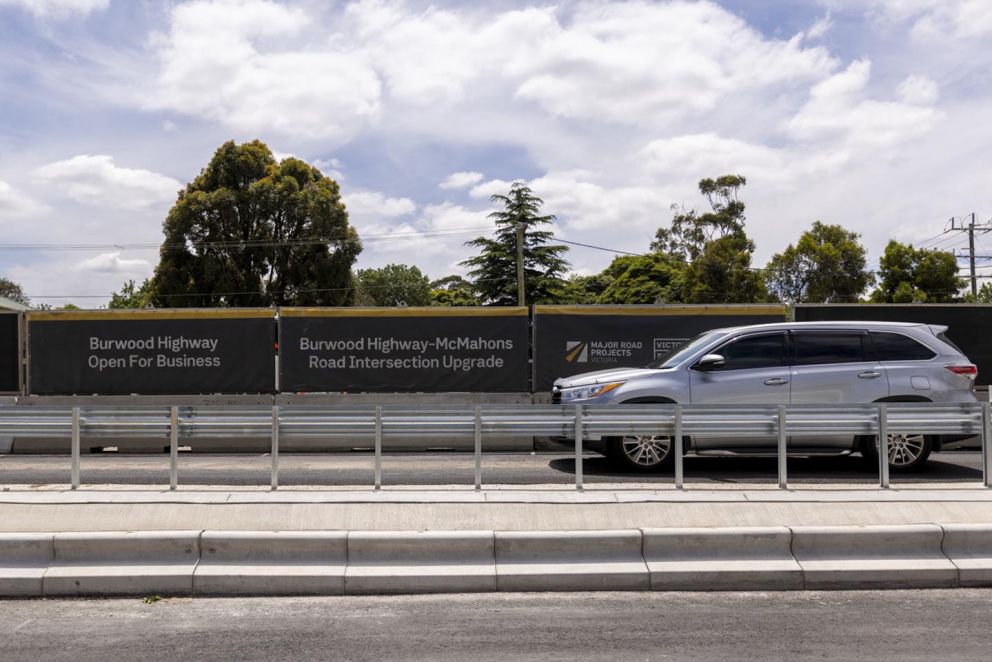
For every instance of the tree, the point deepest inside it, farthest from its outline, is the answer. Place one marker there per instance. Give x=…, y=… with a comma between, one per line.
x=453, y=291
x=917, y=275
x=722, y=273
x=13, y=291
x=654, y=278
x=132, y=296
x=985, y=293
x=392, y=285
x=827, y=265
x=691, y=231
x=252, y=232
x=584, y=289
x=494, y=272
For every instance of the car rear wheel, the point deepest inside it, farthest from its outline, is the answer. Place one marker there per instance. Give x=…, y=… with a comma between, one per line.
x=643, y=453
x=907, y=452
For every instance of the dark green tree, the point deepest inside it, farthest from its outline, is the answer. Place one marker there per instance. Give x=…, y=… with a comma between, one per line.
x=493, y=271
x=917, y=275
x=13, y=291
x=579, y=290
x=392, y=285
x=827, y=265
x=691, y=231
x=453, y=291
x=722, y=273
x=252, y=232
x=653, y=278
x=132, y=296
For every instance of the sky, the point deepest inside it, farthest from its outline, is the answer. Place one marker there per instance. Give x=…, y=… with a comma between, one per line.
x=873, y=114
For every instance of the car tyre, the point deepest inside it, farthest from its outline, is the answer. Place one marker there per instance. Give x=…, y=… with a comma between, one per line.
x=642, y=453
x=907, y=452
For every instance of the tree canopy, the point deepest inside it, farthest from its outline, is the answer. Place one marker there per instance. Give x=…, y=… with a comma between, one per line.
x=13, y=291
x=132, y=296
x=827, y=265
x=917, y=275
x=453, y=291
x=493, y=271
x=392, y=285
x=252, y=232
x=654, y=278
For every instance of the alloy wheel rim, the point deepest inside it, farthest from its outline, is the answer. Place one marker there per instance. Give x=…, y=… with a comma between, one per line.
x=647, y=450
x=904, y=449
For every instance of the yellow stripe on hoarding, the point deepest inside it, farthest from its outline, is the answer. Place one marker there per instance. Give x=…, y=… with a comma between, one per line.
x=663, y=310
x=440, y=311
x=151, y=314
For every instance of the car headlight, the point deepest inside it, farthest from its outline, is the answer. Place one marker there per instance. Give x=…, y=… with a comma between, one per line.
x=586, y=392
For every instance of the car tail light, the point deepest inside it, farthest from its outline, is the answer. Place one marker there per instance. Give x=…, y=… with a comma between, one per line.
x=969, y=371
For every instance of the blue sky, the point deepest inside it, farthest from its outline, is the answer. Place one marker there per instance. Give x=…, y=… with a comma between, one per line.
x=868, y=113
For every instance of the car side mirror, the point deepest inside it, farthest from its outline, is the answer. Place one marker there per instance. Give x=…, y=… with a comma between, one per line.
x=711, y=362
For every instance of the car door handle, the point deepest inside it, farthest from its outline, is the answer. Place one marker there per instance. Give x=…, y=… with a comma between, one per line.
x=776, y=381
x=869, y=374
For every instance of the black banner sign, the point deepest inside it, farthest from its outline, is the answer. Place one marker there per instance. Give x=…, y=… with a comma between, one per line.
x=569, y=340
x=403, y=350
x=969, y=325
x=151, y=352
x=9, y=354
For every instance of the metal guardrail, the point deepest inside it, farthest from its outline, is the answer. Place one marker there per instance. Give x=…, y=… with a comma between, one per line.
x=188, y=423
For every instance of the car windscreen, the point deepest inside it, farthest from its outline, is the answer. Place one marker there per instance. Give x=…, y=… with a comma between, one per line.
x=678, y=355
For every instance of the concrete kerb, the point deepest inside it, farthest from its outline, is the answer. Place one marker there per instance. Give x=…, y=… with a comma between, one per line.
x=870, y=557
x=24, y=558
x=969, y=547
x=123, y=563
x=730, y=559
x=271, y=563
x=570, y=561
x=420, y=562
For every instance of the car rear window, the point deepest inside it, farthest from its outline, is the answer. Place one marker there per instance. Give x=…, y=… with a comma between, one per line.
x=897, y=347
x=826, y=347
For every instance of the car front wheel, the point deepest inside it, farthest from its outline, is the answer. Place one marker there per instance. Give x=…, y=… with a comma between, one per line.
x=643, y=453
x=907, y=452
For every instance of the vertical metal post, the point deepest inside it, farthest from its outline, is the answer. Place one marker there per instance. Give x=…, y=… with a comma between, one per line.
x=378, y=447
x=883, y=446
x=986, y=440
x=74, y=472
x=478, y=447
x=173, y=447
x=783, y=450
x=275, y=448
x=677, y=449
x=578, y=447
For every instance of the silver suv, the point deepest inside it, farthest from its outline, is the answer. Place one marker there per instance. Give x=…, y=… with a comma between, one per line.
x=801, y=362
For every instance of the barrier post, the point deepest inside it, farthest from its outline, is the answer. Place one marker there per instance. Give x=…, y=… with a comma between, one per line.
x=173, y=447
x=578, y=447
x=883, y=446
x=378, y=447
x=986, y=440
x=74, y=471
x=275, y=448
x=677, y=449
x=478, y=447
x=783, y=451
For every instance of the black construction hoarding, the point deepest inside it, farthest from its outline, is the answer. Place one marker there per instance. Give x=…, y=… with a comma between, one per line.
x=403, y=350
x=969, y=325
x=10, y=353
x=569, y=340
x=151, y=352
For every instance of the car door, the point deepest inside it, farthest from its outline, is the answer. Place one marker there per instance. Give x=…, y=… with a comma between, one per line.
x=834, y=367
x=755, y=371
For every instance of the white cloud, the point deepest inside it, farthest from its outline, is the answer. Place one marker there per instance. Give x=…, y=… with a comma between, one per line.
x=929, y=19
x=820, y=28
x=15, y=204
x=372, y=207
x=96, y=180
x=113, y=263
x=57, y=8
x=489, y=188
x=919, y=90
x=457, y=180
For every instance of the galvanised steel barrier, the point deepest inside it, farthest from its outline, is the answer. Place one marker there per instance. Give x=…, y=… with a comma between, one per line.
x=187, y=423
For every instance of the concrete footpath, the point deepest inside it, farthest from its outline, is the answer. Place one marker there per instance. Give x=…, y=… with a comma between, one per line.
x=242, y=542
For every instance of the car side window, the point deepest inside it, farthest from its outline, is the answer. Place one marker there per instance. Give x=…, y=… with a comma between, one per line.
x=764, y=351
x=827, y=347
x=897, y=347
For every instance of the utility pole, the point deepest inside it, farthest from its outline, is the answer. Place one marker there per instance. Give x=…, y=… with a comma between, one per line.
x=971, y=256
x=520, y=264
x=958, y=225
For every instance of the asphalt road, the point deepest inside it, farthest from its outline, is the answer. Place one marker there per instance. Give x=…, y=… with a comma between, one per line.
x=898, y=625
x=334, y=469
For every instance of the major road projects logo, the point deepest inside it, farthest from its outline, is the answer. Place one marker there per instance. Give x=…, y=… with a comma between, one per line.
x=602, y=351
x=576, y=351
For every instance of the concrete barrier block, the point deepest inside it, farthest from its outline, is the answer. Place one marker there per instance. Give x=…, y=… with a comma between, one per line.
x=969, y=547
x=420, y=562
x=726, y=559
x=271, y=563
x=24, y=558
x=865, y=557
x=123, y=563
x=570, y=561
